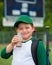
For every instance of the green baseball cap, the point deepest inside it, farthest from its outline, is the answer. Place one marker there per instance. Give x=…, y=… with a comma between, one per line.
x=23, y=19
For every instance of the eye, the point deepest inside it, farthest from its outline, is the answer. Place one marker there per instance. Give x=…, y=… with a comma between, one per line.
x=27, y=27
x=20, y=28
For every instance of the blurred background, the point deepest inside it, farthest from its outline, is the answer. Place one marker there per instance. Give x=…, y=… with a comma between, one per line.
x=7, y=20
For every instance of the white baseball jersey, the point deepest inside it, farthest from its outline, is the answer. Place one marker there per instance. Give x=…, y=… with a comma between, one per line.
x=22, y=55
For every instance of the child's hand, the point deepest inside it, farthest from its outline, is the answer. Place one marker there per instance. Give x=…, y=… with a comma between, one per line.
x=15, y=40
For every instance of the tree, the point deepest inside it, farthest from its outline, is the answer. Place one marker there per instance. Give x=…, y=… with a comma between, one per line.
x=1, y=15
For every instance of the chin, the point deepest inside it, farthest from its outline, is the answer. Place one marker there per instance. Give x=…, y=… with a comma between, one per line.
x=25, y=37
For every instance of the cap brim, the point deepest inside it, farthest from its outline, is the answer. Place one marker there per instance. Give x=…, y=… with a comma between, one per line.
x=17, y=23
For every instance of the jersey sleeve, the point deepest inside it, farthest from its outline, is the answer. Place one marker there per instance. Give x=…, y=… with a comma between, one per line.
x=41, y=53
x=4, y=54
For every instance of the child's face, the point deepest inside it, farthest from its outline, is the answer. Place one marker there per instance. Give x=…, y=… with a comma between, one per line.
x=25, y=30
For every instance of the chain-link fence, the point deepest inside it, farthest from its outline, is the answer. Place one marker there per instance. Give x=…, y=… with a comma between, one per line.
x=5, y=37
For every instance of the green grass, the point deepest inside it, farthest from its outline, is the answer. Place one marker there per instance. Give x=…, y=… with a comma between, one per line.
x=50, y=54
x=5, y=61
x=8, y=61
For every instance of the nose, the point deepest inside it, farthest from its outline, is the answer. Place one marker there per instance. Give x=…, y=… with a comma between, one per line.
x=24, y=30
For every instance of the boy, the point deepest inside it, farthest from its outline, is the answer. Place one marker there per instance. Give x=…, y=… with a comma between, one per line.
x=21, y=48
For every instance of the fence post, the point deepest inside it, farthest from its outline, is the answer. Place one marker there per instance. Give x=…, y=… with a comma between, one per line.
x=47, y=45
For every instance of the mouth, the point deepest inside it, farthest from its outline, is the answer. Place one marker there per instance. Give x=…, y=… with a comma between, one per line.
x=25, y=34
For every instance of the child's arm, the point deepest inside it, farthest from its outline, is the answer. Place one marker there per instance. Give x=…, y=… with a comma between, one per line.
x=7, y=52
x=4, y=54
x=9, y=47
x=41, y=54
x=14, y=41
